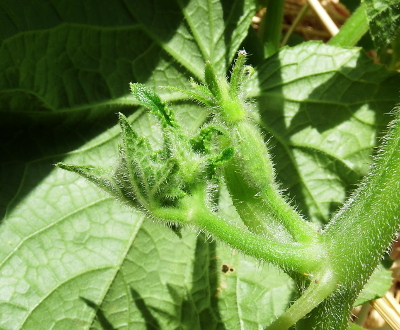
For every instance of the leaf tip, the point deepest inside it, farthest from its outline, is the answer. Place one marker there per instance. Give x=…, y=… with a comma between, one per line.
x=62, y=165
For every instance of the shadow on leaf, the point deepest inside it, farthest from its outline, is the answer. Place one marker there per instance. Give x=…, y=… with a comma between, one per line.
x=105, y=324
x=195, y=304
x=151, y=321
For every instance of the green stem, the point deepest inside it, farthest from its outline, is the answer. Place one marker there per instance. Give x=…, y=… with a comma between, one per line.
x=300, y=229
x=371, y=218
x=361, y=232
x=250, y=180
x=254, y=211
x=353, y=30
x=271, y=26
x=296, y=257
x=321, y=286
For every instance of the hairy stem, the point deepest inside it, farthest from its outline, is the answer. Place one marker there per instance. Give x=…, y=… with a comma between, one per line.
x=296, y=257
x=194, y=210
x=321, y=286
x=251, y=182
x=361, y=232
x=372, y=211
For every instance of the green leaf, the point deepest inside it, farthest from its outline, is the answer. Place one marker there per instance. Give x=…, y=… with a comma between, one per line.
x=71, y=257
x=200, y=94
x=96, y=175
x=62, y=241
x=152, y=101
x=325, y=107
x=212, y=81
x=376, y=287
x=384, y=21
x=72, y=61
x=172, y=291
x=137, y=176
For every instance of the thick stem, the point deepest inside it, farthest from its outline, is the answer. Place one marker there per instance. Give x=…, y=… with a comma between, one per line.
x=352, y=31
x=361, y=232
x=365, y=226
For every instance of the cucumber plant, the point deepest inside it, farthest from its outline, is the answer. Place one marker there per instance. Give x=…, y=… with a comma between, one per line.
x=258, y=175
x=179, y=184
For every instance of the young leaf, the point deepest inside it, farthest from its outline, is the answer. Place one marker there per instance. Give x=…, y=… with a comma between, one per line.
x=97, y=175
x=152, y=101
x=213, y=83
x=237, y=76
x=201, y=94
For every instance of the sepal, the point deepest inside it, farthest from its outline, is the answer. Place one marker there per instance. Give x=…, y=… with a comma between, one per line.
x=97, y=175
x=148, y=98
x=240, y=74
x=212, y=82
x=199, y=93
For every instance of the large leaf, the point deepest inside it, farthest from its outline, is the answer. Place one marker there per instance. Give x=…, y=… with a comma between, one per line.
x=71, y=258
x=81, y=56
x=324, y=107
